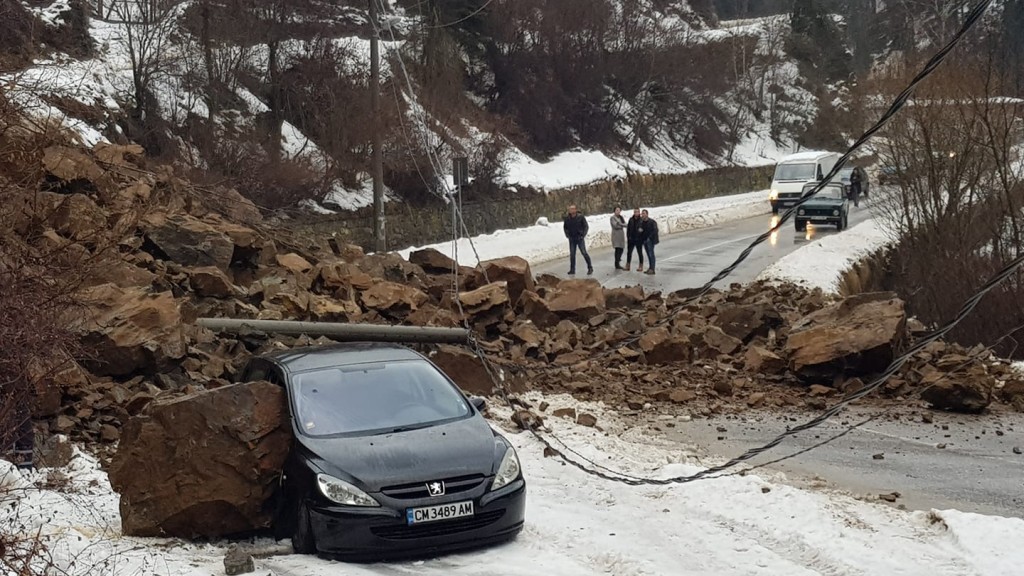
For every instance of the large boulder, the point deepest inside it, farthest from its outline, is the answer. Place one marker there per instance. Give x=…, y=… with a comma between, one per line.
x=536, y=309
x=744, y=321
x=514, y=271
x=956, y=394
x=129, y=329
x=577, y=299
x=393, y=298
x=202, y=465
x=189, y=241
x=211, y=282
x=78, y=217
x=662, y=347
x=464, y=368
x=432, y=261
x=491, y=298
x=628, y=297
x=859, y=335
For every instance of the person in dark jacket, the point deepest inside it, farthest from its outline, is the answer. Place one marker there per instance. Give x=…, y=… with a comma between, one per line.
x=576, y=228
x=648, y=238
x=633, y=241
x=855, y=186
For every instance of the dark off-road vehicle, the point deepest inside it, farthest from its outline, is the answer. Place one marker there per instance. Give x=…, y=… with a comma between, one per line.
x=828, y=206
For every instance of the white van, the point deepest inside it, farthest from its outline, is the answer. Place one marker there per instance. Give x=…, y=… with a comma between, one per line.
x=795, y=170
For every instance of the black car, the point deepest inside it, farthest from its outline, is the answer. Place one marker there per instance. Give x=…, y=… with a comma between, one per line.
x=865, y=185
x=828, y=206
x=390, y=458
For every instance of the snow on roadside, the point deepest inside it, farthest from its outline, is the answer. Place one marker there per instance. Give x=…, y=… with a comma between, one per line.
x=579, y=525
x=546, y=241
x=822, y=263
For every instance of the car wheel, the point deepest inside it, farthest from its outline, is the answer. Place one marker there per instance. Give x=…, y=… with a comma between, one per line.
x=302, y=538
x=800, y=225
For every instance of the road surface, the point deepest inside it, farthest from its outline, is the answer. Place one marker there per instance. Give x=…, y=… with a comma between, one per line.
x=975, y=470
x=689, y=259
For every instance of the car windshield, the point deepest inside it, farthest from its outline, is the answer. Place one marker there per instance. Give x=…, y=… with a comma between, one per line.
x=845, y=173
x=377, y=397
x=831, y=191
x=794, y=172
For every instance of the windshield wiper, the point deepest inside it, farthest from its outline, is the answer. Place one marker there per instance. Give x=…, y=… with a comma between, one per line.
x=405, y=428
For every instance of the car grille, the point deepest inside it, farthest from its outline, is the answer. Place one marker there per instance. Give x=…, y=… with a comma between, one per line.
x=789, y=195
x=440, y=528
x=419, y=489
x=819, y=211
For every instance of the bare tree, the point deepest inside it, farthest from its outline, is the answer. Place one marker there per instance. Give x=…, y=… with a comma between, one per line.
x=146, y=27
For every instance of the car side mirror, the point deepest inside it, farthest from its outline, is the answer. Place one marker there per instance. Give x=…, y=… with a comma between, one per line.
x=479, y=403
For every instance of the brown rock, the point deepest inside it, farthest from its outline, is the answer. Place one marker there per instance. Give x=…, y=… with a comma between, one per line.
x=202, y=465
x=294, y=263
x=756, y=399
x=109, y=433
x=723, y=387
x=860, y=334
x=514, y=271
x=661, y=347
x=629, y=297
x=578, y=299
x=565, y=413
x=536, y=309
x=464, y=368
x=955, y=395
x=79, y=218
x=1012, y=390
x=392, y=297
x=681, y=396
x=432, y=261
x=189, y=241
x=129, y=329
x=719, y=341
x=54, y=451
x=588, y=420
x=485, y=299
x=327, y=309
x=70, y=164
x=211, y=282
x=746, y=321
x=527, y=420
x=819, y=390
x=333, y=276
x=528, y=333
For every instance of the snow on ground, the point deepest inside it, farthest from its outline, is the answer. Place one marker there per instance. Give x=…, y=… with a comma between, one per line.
x=823, y=263
x=546, y=241
x=579, y=525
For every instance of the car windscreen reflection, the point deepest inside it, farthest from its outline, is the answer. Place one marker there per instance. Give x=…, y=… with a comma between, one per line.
x=365, y=399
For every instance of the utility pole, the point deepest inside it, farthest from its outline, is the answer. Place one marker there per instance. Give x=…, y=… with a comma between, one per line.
x=379, y=240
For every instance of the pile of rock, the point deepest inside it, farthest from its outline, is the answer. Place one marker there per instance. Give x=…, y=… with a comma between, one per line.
x=182, y=253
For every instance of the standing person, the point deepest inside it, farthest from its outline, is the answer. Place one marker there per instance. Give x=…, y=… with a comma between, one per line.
x=633, y=241
x=576, y=228
x=618, y=236
x=855, y=187
x=649, y=238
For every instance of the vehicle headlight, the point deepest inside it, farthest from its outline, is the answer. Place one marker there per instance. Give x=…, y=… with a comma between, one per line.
x=507, y=471
x=835, y=212
x=342, y=492
x=800, y=212
x=773, y=195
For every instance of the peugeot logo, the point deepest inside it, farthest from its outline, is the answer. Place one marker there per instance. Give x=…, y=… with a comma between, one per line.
x=435, y=488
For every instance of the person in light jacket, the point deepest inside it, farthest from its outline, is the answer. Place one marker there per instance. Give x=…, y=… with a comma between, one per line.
x=633, y=241
x=618, y=236
x=575, y=227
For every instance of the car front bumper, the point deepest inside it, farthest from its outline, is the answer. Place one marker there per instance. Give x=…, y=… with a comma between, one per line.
x=381, y=533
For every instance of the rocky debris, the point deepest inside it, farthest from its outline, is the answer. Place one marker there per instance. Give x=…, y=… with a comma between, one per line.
x=629, y=297
x=393, y=298
x=747, y=321
x=576, y=299
x=761, y=360
x=202, y=465
x=486, y=306
x=211, y=282
x=661, y=347
x=188, y=241
x=527, y=420
x=860, y=334
x=52, y=451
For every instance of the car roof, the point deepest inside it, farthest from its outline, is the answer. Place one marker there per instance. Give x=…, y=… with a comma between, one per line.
x=317, y=357
x=805, y=156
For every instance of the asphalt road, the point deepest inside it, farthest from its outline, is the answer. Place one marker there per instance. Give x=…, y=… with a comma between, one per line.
x=975, y=470
x=689, y=259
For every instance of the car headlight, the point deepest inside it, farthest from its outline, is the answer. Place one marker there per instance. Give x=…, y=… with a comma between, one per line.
x=773, y=195
x=342, y=492
x=800, y=212
x=835, y=212
x=507, y=471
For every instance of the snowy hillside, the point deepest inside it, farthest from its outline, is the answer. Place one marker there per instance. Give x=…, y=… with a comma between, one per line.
x=281, y=112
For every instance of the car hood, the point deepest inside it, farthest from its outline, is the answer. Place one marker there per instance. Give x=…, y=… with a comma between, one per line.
x=815, y=202
x=457, y=448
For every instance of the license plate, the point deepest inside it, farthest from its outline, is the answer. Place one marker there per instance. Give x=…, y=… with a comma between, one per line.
x=439, y=512
x=819, y=218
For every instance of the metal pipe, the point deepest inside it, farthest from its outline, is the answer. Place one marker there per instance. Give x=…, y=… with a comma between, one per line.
x=340, y=331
